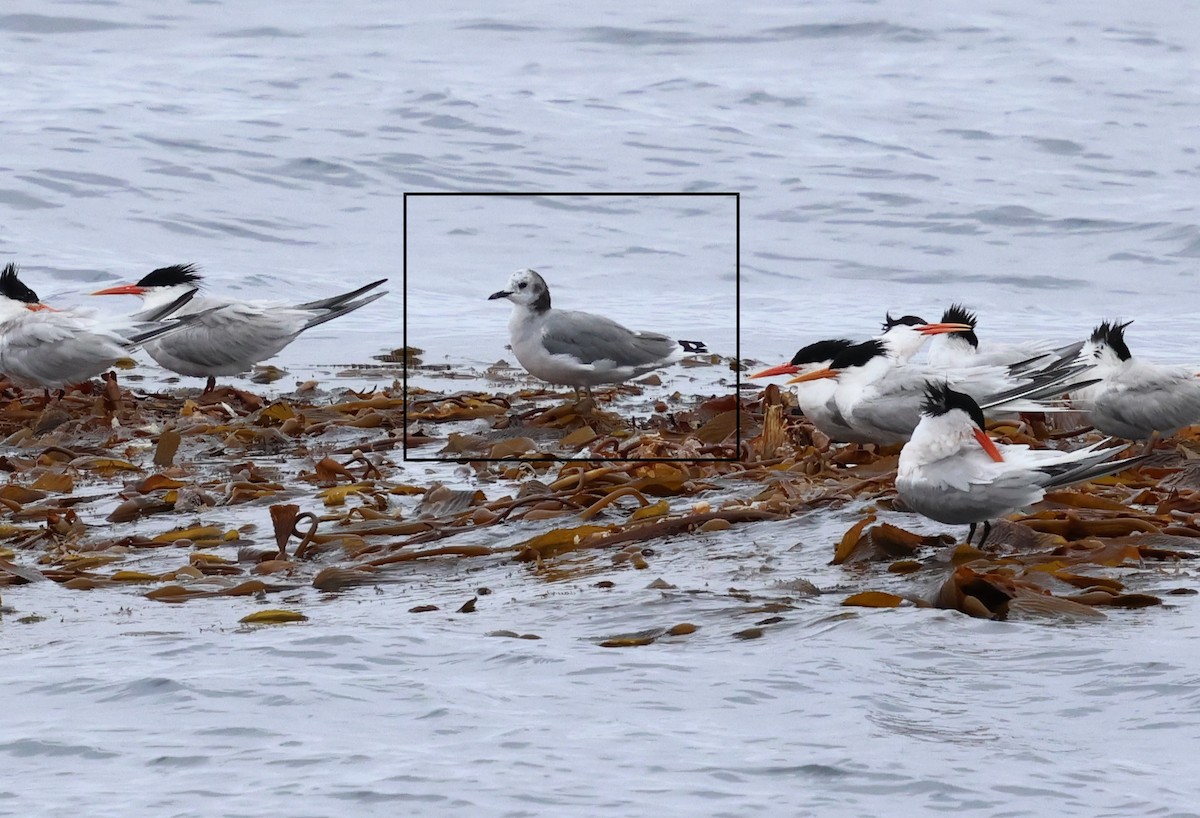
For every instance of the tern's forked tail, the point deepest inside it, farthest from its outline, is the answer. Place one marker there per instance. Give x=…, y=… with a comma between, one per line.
x=693, y=346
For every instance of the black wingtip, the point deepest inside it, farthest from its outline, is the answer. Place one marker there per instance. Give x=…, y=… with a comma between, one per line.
x=694, y=347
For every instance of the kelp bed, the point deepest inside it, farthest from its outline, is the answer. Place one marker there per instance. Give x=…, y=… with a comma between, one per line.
x=113, y=490
x=611, y=424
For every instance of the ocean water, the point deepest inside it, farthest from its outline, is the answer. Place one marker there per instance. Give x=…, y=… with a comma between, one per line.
x=1036, y=161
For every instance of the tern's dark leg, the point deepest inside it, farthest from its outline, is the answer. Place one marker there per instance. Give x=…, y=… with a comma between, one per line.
x=971, y=533
x=987, y=530
x=211, y=385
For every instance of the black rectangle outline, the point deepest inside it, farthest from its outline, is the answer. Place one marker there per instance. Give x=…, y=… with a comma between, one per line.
x=737, y=339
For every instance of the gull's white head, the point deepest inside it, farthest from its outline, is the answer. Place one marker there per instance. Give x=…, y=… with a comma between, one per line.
x=527, y=289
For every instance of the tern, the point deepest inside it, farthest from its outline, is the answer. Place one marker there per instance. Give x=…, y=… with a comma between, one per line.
x=49, y=348
x=1133, y=399
x=579, y=349
x=230, y=336
x=961, y=348
x=903, y=337
x=880, y=397
x=952, y=472
x=815, y=397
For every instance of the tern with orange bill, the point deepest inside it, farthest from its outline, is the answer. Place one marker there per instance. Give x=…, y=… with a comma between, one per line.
x=903, y=337
x=880, y=397
x=815, y=397
x=1135, y=399
x=962, y=348
x=227, y=336
x=48, y=348
x=952, y=472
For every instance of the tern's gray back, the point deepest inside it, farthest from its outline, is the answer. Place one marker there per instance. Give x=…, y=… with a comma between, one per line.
x=591, y=338
x=1165, y=405
x=938, y=493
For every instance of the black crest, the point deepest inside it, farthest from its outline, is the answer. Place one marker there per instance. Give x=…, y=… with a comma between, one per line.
x=858, y=354
x=1113, y=334
x=820, y=351
x=12, y=287
x=940, y=399
x=170, y=276
x=910, y=320
x=959, y=314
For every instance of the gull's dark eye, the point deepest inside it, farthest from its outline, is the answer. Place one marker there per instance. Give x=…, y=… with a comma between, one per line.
x=523, y=285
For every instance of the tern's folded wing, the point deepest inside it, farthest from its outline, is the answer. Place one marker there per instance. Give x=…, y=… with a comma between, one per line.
x=1166, y=403
x=236, y=332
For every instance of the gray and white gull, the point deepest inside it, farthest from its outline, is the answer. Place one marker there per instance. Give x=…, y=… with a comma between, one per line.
x=579, y=349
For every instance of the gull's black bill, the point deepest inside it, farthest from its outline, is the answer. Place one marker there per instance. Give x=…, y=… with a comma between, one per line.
x=501, y=294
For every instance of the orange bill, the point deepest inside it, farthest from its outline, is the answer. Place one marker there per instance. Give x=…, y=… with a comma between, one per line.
x=988, y=445
x=122, y=289
x=816, y=375
x=782, y=369
x=942, y=329
x=40, y=308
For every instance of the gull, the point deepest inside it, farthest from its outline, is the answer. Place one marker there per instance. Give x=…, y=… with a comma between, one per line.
x=579, y=349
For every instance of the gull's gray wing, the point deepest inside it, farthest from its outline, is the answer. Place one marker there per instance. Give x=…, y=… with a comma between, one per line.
x=590, y=338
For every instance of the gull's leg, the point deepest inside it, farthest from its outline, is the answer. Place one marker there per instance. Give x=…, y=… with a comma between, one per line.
x=971, y=533
x=1152, y=442
x=211, y=385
